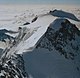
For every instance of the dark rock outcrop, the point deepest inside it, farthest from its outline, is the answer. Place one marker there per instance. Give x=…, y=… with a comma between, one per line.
x=27, y=23
x=13, y=68
x=34, y=19
x=65, y=38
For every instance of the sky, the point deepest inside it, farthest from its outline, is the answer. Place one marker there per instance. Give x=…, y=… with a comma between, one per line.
x=75, y=2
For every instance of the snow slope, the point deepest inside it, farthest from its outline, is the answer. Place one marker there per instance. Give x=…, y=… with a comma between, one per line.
x=57, y=53
x=39, y=27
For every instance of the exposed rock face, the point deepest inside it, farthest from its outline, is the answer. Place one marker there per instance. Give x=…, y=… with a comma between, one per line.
x=34, y=19
x=64, y=37
x=13, y=68
x=61, y=36
x=26, y=23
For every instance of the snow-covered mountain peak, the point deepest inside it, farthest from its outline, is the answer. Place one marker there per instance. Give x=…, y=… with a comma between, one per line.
x=57, y=53
x=63, y=36
x=56, y=24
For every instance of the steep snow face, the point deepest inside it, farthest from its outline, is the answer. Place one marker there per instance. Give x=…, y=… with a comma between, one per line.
x=57, y=53
x=42, y=63
x=38, y=28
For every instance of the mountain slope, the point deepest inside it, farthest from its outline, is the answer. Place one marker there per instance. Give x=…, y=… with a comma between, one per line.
x=46, y=51
x=57, y=53
x=63, y=36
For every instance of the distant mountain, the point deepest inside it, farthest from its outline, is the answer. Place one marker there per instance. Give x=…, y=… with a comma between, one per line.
x=60, y=13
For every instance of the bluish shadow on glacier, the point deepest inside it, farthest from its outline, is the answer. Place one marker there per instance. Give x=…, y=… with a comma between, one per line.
x=41, y=63
x=63, y=14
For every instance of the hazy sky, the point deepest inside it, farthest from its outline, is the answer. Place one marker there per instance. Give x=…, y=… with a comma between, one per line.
x=76, y=2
